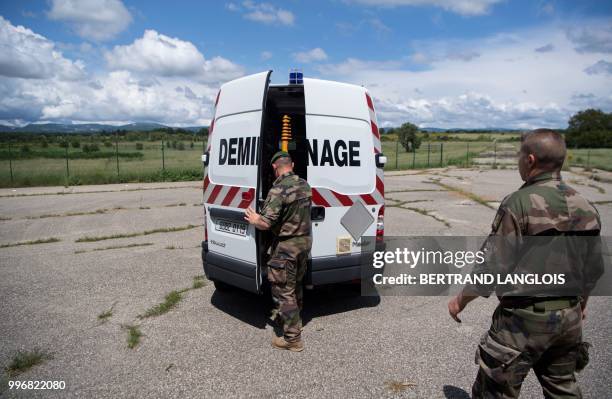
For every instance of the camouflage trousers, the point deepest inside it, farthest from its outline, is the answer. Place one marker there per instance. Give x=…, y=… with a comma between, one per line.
x=519, y=340
x=286, y=270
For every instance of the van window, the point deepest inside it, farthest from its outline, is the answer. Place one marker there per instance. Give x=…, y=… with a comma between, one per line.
x=340, y=154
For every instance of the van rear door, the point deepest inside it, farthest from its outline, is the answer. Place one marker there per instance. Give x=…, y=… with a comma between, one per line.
x=342, y=172
x=231, y=182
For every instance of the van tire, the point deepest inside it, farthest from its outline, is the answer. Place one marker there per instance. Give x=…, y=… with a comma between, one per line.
x=221, y=286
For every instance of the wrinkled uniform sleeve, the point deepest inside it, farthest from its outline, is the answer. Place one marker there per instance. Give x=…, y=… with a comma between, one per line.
x=271, y=210
x=500, y=250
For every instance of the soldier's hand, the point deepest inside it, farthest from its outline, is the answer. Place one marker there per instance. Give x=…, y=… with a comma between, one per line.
x=454, y=308
x=250, y=215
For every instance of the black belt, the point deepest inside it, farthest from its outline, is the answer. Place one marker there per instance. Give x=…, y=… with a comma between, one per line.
x=539, y=304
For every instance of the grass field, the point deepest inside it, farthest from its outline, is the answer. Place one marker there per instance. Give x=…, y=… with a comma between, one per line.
x=178, y=165
x=181, y=165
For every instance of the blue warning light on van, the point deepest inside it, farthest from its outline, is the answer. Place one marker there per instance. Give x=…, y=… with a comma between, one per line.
x=296, y=77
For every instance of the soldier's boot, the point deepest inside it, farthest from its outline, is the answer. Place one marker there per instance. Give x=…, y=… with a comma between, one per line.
x=294, y=346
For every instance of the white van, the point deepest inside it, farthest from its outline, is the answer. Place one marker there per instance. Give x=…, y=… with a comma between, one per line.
x=335, y=147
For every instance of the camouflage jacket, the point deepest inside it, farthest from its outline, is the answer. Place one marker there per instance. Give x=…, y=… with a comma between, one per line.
x=544, y=227
x=287, y=207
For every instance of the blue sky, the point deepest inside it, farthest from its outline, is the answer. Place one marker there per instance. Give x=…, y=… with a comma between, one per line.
x=442, y=63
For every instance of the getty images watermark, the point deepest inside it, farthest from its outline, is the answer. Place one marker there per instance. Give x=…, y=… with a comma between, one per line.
x=514, y=266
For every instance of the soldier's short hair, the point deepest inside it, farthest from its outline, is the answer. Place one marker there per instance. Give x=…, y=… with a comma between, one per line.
x=547, y=145
x=283, y=161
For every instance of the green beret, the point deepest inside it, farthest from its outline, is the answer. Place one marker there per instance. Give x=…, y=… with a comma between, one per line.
x=280, y=154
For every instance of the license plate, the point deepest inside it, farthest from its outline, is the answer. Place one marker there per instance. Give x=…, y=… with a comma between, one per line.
x=230, y=227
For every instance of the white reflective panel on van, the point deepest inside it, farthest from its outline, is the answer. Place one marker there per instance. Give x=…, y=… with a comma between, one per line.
x=340, y=154
x=233, y=151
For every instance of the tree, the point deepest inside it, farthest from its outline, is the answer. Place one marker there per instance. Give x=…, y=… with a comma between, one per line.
x=590, y=128
x=407, y=135
x=75, y=143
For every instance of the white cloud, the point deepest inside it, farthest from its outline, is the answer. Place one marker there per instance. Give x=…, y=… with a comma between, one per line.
x=265, y=55
x=507, y=85
x=263, y=12
x=161, y=55
x=92, y=19
x=28, y=55
x=316, y=54
x=545, y=49
x=37, y=83
x=462, y=7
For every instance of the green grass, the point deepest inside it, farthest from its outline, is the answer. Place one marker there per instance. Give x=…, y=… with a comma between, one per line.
x=107, y=314
x=25, y=360
x=198, y=282
x=600, y=158
x=140, y=233
x=134, y=335
x=179, y=166
x=467, y=194
x=170, y=301
x=33, y=242
x=144, y=244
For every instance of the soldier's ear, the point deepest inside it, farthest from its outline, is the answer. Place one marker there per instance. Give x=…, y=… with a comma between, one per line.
x=531, y=159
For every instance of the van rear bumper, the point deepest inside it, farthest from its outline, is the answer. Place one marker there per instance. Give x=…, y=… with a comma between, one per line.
x=321, y=270
x=228, y=270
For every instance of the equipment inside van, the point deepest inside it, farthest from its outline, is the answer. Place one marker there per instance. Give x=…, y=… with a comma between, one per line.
x=331, y=132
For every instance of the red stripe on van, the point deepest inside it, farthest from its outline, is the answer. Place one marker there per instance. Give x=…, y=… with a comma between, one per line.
x=214, y=194
x=375, y=130
x=245, y=202
x=318, y=199
x=369, y=100
x=344, y=199
x=230, y=196
x=368, y=199
x=380, y=186
x=206, y=182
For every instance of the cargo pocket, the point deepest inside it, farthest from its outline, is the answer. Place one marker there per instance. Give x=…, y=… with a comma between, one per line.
x=500, y=363
x=277, y=271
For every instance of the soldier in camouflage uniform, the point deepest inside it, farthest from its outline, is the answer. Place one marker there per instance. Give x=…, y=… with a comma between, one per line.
x=286, y=212
x=539, y=330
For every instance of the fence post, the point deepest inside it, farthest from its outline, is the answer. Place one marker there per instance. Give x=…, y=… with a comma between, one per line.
x=588, y=159
x=117, y=150
x=467, y=155
x=163, y=158
x=441, y=154
x=10, y=161
x=67, y=168
x=413, y=157
x=396, y=154
x=428, y=153
x=494, y=152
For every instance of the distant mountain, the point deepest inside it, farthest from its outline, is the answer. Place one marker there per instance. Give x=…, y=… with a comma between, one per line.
x=87, y=127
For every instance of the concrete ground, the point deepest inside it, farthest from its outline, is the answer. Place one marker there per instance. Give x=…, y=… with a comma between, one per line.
x=217, y=344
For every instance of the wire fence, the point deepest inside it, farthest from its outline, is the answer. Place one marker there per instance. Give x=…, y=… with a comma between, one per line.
x=119, y=161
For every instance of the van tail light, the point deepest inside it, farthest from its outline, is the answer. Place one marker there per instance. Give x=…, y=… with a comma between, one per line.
x=205, y=229
x=380, y=224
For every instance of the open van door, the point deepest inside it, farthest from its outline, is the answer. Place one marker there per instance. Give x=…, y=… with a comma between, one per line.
x=231, y=182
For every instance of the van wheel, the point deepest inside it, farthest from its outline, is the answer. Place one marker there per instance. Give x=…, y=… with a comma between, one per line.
x=221, y=286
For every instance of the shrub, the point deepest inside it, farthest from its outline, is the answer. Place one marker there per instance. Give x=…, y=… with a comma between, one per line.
x=75, y=144
x=139, y=146
x=25, y=148
x=108, y=143
x=180, y=146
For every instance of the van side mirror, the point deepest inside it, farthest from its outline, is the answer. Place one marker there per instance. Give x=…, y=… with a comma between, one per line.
x=205, y=158
x=381, y=160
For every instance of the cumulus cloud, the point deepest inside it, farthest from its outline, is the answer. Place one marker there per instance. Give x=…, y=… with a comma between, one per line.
x=161, y=55
x=28, y=55
x=316, y=54
x=462, y=7
x=600, y=67
x=92, y=19
x=592, y=38
x=37, y=83
x=263, y=12
x=507, y=85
